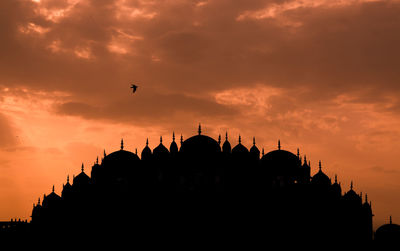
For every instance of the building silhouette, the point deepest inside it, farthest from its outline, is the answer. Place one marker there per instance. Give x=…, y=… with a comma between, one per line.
x=205, y=190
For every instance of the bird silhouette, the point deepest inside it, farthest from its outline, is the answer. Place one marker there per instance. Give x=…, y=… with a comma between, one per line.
x=134, y=88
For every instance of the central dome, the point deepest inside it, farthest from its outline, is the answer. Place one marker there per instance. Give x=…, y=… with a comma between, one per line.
x=281, y=162
x=120, y=162
x=200, y=144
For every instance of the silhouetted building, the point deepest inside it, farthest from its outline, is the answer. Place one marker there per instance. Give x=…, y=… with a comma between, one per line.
x=206, y=191
x=388, y=234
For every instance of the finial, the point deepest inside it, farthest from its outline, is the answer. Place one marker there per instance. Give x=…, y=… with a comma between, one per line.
x=226, y=135
x=254, y=141
x=67, y=178
x=181, y=139
x=279, y=144
x=160, y=139
x=53, y=189
x=305, y=159
x=320, y=166
x=351, y=185
x=263, y=151
x=390, y=220
x=97, y=160
x=219, y=139
x=173, y=136
x=122, y=144
x=335, y=178
x=240, y=139
x=366, y=198
x=298, y=153
x=136, y=151
x=199, y=129
x=82, y=168
x=39, y=201
x=147, y=142
x=105, y=153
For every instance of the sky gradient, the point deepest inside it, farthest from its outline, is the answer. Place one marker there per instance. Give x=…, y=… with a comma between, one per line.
x=322, y=76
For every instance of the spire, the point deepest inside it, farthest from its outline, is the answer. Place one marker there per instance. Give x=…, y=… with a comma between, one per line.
x=226, y=136
x=147, y=142
x=279, y=144
x=390, y=222
x=82, y=168
x=305, y=159
x=199, y=129
x=254, y=141
x=181, y=139
x=240, y=139
x=53, y=189
x=298, y=153
x=160, y=139
x=366, y=198
x=67, y=178
x=38, y=201
x=351, y=185
x=335, y=178
x=320, y=166
x=122, y=144
x=97, y=160
x=136, y=151
x=105, y=153
x=173, y=136
x=263, y=151
x=219, y=139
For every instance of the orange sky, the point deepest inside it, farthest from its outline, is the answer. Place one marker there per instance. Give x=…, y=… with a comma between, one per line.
x=320, y=75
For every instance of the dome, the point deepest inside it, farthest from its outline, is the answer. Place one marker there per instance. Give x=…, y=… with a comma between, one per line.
x=120, y=162
x=160, y=150
x=321, y=178
x=81, y=179
x=146, y=152
x=388, y=233
x=51, y=200
x=200, y=144
x=281, y=162
x=226, y=147
x=254, y=150
x=173, y=148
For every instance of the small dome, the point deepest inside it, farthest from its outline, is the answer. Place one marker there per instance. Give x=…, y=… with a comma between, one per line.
x=226, y=147
x=254, y=149
x=239, y=148
x=321, y=178
x=146, y=152
x=81, y=179
x=51, y=200
x=160, y=150
x=173, y=148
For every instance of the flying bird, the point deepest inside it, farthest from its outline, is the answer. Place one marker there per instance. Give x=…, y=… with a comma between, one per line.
x=134, y=88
